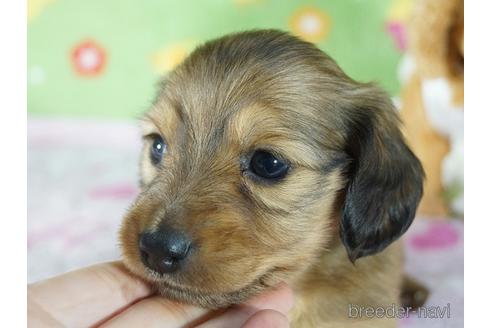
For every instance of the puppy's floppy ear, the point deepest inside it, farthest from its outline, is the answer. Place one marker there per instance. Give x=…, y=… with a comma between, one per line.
x=385, y=179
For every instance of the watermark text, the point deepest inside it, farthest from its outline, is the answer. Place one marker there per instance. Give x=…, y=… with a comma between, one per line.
x=396, y=311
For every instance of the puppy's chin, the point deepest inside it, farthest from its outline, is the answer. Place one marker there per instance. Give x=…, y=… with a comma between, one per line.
x=208, y=300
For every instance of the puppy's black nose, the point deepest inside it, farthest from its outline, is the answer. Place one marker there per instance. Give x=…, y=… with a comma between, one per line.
x=163, y=250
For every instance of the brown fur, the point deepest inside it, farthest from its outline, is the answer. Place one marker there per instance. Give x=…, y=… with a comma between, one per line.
x=429, y=146
x=352, y=187
x=436, y=33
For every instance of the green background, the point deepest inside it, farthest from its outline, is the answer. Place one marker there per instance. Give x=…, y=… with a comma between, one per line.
x=131, y=32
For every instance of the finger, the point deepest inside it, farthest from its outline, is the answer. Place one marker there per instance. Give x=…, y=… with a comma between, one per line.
x=87, y=296
x=280, y=299
x=156, y=311
x=267, y=319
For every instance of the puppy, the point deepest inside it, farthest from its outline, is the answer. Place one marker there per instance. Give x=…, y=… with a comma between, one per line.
x=263, y=162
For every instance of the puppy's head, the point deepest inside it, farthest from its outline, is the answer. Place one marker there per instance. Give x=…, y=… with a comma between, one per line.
x=260, y=153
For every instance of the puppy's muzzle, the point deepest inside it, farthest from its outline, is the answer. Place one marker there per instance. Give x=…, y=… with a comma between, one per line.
x=164, y=250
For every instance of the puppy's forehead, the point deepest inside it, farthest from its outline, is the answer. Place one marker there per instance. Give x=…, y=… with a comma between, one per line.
x=231, y=73
x=254, y=88
x=253, y=123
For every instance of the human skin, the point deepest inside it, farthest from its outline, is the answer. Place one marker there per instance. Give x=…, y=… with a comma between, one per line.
x=106, y=295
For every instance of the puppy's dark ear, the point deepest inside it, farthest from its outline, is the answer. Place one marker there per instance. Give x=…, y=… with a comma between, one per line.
x=385, y=179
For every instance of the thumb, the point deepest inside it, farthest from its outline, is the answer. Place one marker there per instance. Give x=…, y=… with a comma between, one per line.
x=279, y=300
x=267, y=318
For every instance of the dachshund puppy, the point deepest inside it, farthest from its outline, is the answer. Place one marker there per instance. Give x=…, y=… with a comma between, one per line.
x=263, y=162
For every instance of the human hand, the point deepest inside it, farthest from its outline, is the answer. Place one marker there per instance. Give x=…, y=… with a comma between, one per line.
x=106, y=295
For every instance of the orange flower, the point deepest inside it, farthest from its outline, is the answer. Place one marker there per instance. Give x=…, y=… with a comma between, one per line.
x=88, y=58
x=311, y=24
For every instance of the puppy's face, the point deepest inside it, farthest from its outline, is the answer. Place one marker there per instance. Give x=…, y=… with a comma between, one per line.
x=259, y=154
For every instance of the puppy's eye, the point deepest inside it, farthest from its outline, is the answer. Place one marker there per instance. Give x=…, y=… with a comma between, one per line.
x=268, y=166
x=158, y=149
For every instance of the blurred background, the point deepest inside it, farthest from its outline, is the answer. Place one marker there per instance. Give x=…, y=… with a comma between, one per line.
x=92, y=69
x=101, y=59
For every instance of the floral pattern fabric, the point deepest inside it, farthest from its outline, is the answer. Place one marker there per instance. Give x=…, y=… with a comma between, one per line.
x=96, y=58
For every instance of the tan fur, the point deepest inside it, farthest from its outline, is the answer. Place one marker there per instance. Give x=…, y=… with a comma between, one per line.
x=267, y=90
x=429, y=146
x=436, y=37
x=436, y=42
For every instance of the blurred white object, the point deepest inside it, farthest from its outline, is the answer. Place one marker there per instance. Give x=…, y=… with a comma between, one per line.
x=448, y=120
